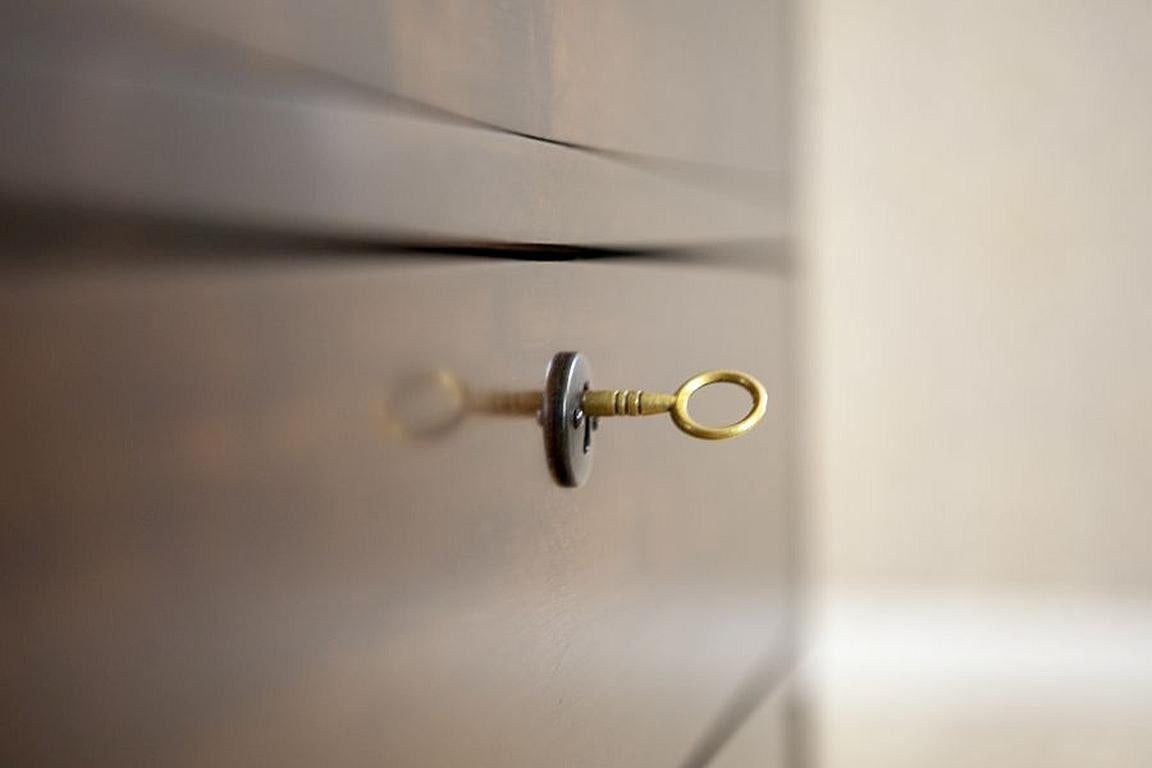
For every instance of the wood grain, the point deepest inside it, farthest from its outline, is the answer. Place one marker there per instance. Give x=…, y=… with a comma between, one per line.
x=211, y=555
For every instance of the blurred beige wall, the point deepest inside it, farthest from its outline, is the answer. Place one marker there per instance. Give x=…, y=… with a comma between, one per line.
x=978, y=220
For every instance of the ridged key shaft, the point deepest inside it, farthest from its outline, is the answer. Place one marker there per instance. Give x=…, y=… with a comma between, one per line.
x=626, y=402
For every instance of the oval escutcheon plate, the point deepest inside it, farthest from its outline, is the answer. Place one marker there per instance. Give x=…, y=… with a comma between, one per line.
x=567, y=430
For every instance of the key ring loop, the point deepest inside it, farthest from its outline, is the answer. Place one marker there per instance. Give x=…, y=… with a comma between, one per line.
x=692, y=427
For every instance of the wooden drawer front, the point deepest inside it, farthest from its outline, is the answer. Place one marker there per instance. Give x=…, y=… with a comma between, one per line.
x=112, y=110
x=680, y=79
x=213, y=556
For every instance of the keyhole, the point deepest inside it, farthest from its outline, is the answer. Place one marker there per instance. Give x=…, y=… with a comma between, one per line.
x=587, y=429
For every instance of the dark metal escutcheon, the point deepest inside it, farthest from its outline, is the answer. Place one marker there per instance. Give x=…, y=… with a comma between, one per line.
x=567, y=430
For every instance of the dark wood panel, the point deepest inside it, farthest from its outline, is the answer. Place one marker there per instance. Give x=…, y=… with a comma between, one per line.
x=697, y=81
x=680, y=79
x=112, y=111
x=212, y=555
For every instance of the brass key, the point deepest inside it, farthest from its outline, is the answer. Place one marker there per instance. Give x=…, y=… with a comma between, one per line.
x=626, y=402
x=568, y=409
x=604, y=403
